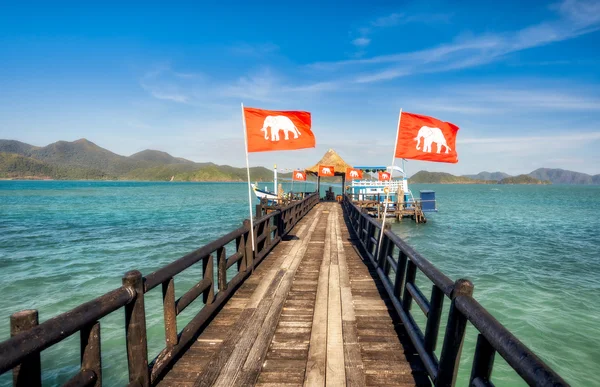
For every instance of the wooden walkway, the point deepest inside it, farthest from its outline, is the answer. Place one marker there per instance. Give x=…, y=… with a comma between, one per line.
x=312, y=314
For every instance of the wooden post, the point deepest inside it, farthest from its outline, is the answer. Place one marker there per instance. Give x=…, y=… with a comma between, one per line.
x=454, y=337
x=208, y=273
x=268, y=231
x=400, y=272
x=483, y=360
x=411, y=273
x=222, y=268
x=241, y=248
x=90, y=351
x=29, y=372
x=433, y=319
x=135, y=330
x=319, y=186
x=170, y=314
x=385, y=250
x=249, y=255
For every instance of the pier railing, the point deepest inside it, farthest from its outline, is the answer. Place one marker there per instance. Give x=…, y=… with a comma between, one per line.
x=21, y=352
x=397, y=265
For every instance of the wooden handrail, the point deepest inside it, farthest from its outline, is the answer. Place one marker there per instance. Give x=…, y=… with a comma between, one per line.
x=402, y=290
x=21, y=352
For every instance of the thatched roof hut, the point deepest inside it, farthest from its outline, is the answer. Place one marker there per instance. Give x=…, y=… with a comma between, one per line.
x=331, y=158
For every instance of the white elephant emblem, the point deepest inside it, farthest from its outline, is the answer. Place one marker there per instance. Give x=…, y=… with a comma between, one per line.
x=326, y=171
x=431, y=135
x=299, y=175
x=385, y=176
x=278, y=123
x=353, y=173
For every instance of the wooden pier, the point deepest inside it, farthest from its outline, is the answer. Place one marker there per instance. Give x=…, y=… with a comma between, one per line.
x=313, y=314
x=316, y=302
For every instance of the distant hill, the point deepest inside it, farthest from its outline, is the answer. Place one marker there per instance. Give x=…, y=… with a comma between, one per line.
x=18, y=147
x=523, y=179
x=14, y=166
x=425, y=177
x=82, y=159
x=159, y=157
x=488, y=176
x=444, y=178
x=561, y=176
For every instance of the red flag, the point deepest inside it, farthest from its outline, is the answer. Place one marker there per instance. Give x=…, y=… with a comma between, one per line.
x=299, y=176
x=270, y=130
x=353, y=174
x=426, y=138
x=326, y=170
x=384, y=176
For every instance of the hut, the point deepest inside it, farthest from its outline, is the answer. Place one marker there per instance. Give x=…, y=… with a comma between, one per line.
x=331, y=158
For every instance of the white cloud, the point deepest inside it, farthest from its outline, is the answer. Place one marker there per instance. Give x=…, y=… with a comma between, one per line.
x=392, y=20
x=504, y=98
x=575, y=18
x=361, y=42
x=388, y=21
x=563, y=140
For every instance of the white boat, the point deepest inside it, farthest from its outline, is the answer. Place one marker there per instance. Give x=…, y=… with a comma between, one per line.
x=263, y=194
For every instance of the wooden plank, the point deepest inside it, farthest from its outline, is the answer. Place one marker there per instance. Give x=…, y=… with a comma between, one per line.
x=336, y=373
x=253, y=340
x=252, y=367
x=352, y=356
x=317, y=350
x=259, y=293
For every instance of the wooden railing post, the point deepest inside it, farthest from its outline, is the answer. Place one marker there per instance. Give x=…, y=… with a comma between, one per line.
x=268, y=231
x=249, y=254
x=385, y=250
x=135, y=330
x=258, y=210
x=170, y=314
x=400, y=272
x=29, y=372
x=90, y=351
x=208, y=273
x=454, y=337
x=411, y=274
x=222, y=268
x=483, y=361
x=433, y=319
x=240, y=245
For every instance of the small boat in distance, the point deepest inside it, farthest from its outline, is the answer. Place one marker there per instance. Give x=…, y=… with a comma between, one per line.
x=263, y=194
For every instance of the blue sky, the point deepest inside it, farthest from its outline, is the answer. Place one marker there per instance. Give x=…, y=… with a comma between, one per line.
x=521, y=79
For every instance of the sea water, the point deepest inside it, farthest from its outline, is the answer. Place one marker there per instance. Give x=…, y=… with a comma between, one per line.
x=533, y=253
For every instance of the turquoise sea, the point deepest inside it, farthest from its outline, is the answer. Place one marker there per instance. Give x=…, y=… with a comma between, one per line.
x=533, y=253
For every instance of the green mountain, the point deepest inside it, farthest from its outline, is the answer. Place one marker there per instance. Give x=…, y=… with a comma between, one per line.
x=561, y=176
x=488, y=176
x=159, y=157
x=18, y=147
x=14, y=166
x=82, y=159
x=523, y=179
x=425, y=177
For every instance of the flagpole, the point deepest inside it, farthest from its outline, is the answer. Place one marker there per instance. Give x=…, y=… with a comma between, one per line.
x=248, y=173
x=387, y=195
